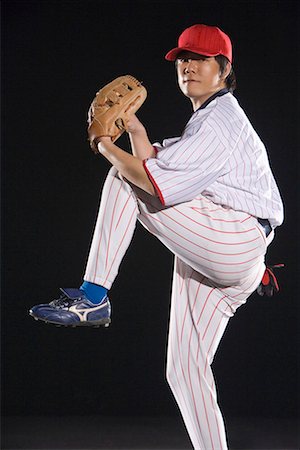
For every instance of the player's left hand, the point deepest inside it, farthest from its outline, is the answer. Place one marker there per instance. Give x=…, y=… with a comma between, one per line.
x=112, y=107
x=94, y=136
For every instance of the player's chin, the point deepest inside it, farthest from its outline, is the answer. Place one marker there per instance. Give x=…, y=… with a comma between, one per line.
x=193, y=96
x=191, y=91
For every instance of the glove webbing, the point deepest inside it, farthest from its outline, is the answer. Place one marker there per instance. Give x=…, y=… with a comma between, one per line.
x=114, y=96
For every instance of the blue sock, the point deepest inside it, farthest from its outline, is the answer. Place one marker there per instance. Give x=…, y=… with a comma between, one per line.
x=94, y=292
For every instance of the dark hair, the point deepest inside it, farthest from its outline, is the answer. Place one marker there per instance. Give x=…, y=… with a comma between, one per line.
x=230, y=80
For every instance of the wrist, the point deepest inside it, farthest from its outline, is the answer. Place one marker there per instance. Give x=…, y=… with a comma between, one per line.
x=103, y=143
x=137, y=132
x=96, y=141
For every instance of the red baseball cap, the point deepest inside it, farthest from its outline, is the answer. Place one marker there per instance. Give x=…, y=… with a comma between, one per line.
x=204, y=40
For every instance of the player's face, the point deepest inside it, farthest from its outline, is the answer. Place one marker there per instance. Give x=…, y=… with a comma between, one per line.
x=199, y=77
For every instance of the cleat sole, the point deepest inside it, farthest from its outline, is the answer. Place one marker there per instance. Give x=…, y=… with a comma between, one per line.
x=92, y=324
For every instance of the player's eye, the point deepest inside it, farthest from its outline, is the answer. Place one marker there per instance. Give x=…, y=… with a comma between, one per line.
x=184, y=60
x=188, y=60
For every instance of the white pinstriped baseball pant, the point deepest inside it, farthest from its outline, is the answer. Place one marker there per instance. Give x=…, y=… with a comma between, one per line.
x=219, y=262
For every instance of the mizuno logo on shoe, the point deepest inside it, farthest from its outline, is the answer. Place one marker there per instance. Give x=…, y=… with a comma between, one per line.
x=82, y=313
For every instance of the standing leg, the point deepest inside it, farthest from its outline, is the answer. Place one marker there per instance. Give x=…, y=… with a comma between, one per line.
x=219, y=262
x=199, y=314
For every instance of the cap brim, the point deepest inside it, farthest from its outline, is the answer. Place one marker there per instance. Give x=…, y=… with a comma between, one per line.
x=172, y=54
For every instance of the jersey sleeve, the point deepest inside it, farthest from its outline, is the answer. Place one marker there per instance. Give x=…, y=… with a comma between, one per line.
x=166, y=143
x=157, y=147
x=186, y=167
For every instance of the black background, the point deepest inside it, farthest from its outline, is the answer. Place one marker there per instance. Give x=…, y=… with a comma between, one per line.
x=55, y=55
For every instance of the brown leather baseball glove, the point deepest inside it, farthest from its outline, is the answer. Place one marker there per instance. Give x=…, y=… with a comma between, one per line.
x=111, y=108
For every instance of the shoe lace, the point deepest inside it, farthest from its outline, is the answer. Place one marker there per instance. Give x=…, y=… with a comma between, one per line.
x=61, y=302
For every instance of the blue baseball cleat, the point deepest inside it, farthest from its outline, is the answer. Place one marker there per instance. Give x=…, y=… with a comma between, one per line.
x=73, y=309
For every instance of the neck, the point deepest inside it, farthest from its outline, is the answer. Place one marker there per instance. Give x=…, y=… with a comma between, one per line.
x=199, y=102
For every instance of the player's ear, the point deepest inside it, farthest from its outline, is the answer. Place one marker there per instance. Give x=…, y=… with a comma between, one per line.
x=226, y=71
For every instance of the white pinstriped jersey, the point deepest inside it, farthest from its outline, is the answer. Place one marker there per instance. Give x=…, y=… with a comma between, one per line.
x=220, y=156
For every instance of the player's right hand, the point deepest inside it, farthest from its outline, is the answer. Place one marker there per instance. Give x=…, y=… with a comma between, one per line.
x=133, y=125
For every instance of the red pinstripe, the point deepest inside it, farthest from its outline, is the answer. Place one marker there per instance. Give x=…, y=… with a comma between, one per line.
x=98, y=249
x=213, y=229
x=204, y=366
x=198, y=256
x=182, y=369
x=261, y=233
x=208, y=141
x=205, y=408
x=182, y=284
x=179, y=352
x=161, y=197
x=198, y=317
x=179, y=385
x=122, y=212
x=187, y=305
x=179, y=147
x=218, y=219
x=181, y=366
x=208, y=351
x=174, y=366
x=202, y=392
x=111, y=224
x=203, y=398
x=178, y=183
x=205, y=237
x=216, y=419
x=211, y=291
x=175, y=370
x=212, y=316
x=227, y=307
x=247, y=218
x=116, y=253
x=200, y=246
x=199, y=375
x=193, y=396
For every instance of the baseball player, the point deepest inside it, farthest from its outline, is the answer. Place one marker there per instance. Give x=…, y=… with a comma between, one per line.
x=210, y=197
